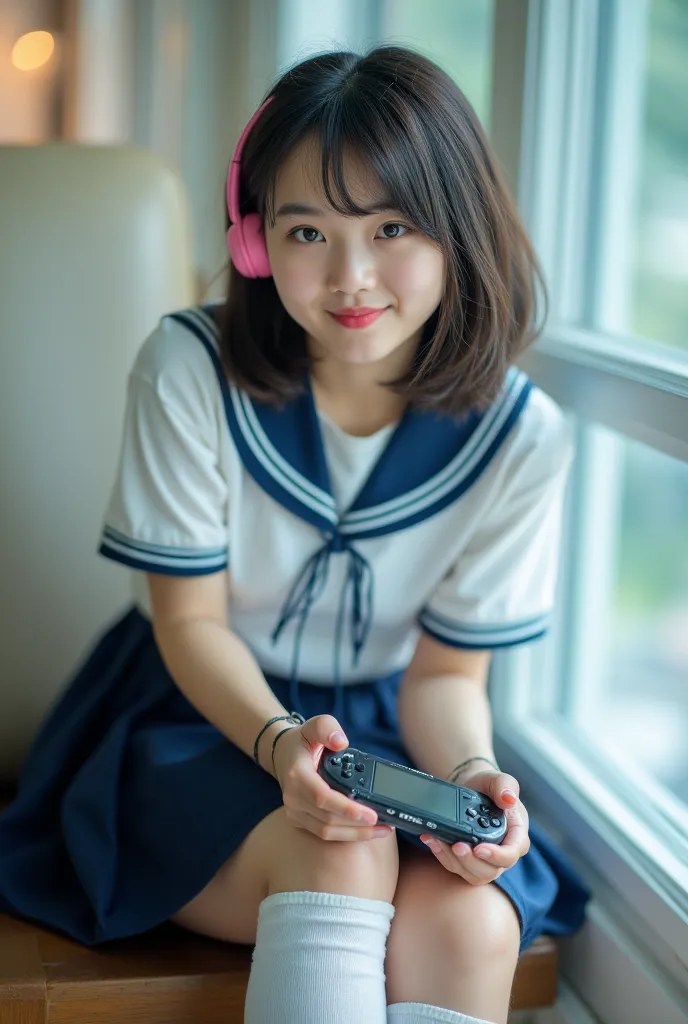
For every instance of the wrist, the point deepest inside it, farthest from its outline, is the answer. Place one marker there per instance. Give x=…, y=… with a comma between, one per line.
x=279, y=735
x=263, y=746
x=472, y=765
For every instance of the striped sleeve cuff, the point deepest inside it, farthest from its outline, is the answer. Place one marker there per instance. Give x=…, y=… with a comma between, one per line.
x=157, y=558
x=480, y=636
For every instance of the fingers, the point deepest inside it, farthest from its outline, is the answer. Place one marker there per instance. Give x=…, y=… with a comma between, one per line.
x=326, y=731
x=516, y=842
x=306, y=792
x=340, y=832
x=504, y=790
x=487, y=861
x=461, y=860
x=328, y=805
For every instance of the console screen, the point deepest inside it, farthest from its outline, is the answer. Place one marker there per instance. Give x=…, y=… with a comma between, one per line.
x=431, y=798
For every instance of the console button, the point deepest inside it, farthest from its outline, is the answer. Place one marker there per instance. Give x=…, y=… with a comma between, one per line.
x=495, y=822
x=347, y=757
x=361, y=780
x=335, y=760
x=471, y=812
x=359, y=767
x=485, y=809
x=484, y=822
x=390, y=810
x=347, y=775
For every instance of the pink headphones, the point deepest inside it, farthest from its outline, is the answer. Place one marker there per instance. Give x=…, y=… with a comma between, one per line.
x=245, y=239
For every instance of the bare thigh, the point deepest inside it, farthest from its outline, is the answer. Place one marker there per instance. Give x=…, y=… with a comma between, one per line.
x=276, y=857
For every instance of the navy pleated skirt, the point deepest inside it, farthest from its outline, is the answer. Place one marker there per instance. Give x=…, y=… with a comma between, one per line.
x=130, y=801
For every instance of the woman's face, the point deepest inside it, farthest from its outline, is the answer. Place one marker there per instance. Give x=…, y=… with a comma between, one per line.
x=325, y=263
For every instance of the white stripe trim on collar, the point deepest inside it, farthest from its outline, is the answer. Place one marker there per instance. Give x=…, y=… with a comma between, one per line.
x=277, y=466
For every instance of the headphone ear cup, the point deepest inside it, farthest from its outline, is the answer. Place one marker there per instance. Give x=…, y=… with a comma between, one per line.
x=246, y=244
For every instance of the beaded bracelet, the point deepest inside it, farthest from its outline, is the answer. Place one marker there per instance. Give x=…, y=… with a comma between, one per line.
x=455, y=771
x=294, y=717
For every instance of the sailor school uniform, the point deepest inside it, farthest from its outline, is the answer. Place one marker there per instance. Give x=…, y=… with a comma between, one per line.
x=341, y=551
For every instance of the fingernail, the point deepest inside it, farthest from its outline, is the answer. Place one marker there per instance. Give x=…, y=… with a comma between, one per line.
x=461, y=849
x=338, y=737
x=368, y=819
x=508, y=794
x=483, y=853
x=429, y=841
x=379, y=832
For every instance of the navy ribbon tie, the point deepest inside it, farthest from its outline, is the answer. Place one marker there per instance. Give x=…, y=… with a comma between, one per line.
x=357, y=592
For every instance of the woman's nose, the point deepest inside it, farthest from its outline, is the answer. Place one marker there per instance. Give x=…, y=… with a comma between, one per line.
x=351, y=268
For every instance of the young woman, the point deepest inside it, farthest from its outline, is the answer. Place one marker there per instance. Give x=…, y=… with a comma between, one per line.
x=339, y=496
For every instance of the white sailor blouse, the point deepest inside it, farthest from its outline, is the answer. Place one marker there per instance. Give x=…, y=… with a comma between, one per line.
x=454, y=531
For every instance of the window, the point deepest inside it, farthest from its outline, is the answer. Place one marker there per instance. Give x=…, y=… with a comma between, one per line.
x=597, y=713
x=621, y=670
x=625, y=683
x=659, y=256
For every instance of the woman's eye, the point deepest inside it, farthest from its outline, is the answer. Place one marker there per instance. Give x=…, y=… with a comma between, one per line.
x=394, y=230
x=308, y=233
x=391, y=230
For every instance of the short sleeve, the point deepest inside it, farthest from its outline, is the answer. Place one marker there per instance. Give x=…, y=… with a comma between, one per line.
x=168, y=508
x=501, y=590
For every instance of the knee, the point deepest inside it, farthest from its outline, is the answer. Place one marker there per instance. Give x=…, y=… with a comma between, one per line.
x=481, y=927
x=301, y=860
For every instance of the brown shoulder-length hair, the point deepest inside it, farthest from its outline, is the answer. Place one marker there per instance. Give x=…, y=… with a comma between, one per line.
x=411, y=125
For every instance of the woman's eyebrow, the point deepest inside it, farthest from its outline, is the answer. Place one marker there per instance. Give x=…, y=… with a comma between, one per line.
x=303, y=210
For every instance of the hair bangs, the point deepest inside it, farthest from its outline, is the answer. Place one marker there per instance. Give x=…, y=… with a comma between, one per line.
x=393, y=169
x=398, y=175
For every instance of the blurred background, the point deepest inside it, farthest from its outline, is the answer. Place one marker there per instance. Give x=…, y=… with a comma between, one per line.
x=181, y=77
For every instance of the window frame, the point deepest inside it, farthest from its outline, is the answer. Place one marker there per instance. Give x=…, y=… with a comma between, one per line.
x=599, y=377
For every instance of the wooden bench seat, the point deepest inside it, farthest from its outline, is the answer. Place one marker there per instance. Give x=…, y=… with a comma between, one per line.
x=167, y=976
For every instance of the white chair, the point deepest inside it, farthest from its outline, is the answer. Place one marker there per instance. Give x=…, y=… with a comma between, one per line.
x=95, y=247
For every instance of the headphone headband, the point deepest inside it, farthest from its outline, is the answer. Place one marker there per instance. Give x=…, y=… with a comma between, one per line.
x=234, y=176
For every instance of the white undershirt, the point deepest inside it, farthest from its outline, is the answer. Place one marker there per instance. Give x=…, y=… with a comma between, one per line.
x=350, y=459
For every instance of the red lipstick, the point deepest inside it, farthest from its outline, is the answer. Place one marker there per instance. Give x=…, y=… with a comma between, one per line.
x=357, y=317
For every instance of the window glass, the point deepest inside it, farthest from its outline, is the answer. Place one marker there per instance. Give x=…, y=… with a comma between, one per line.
x=633, y=701
x=659, y=289
x=456, y=34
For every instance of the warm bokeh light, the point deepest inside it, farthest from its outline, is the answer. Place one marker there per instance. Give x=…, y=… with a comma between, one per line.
x=32, y=50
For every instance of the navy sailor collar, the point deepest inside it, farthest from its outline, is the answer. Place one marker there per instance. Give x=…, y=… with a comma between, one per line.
x=427, y=464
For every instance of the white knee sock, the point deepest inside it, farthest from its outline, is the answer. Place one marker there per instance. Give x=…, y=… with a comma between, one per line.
x=416, y=1013
x=319, y=957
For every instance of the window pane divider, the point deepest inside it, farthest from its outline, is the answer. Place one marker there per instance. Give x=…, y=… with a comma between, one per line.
x=647, y=362
x=588, y=374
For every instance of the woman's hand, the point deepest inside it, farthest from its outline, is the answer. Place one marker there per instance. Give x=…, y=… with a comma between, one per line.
x=310, y=803
x=486, y=861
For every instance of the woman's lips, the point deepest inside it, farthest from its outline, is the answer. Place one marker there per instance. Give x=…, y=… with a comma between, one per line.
x=359, y=319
